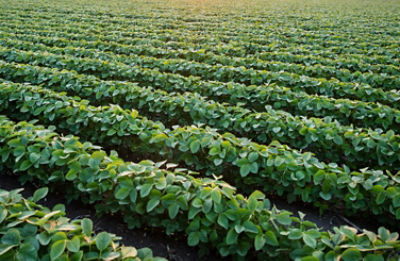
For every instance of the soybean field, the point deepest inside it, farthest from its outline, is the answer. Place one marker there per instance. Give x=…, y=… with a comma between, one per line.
x=219, y=123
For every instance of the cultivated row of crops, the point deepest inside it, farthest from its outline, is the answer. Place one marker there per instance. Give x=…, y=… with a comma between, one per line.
x=197, y=120
x=33, y=232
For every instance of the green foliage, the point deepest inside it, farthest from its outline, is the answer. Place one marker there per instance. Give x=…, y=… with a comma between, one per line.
x=29, y=231
x=251, y=165
x=322, y=79
x=206, y=210
x=332, y=141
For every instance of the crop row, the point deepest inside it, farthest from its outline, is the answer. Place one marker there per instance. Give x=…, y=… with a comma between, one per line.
x=120, y=71
x=30, y=231
x=216, y=82
x=251, y=69
x=219, y=26
x=179, y=83
x=362, y=114
x=314, y=40
x=230, y=48
x=326, y=56
x=329, y=140
x=364, y=27
x=209, y=212
x=275, y=168
x=254, y=96
x=311, y=41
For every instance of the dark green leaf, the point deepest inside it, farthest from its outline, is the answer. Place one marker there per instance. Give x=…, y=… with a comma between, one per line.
x=259, y=242
x=271, y=239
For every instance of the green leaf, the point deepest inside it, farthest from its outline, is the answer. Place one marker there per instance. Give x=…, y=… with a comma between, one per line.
x=223, y=221
x=254, y=167
x=12, y=237
x=371, y=236
x=73, y=245
x=374, y=257
x=371, y=143
x=278, y=161
x=122, y=193
x=271, y=239
x=231, y=237
x=195, y=146
x=325, y=196
x=257, y=195
x=309, y=258
x=300, y=175
x=159, y=138
x=259, y=242
x=253, y=156
x=252, y=204
x=128, y=252
x=77, y=256
x=309, y=240
x=87, y=226
x=338, y=140
x=396, y=201
x=319, y=177
x=276, y=129
x=99, y=155
x=103, y=240
x=71, y=175
x=111, y=132
x=108, y=256
x=145, y=190
x=173, y=210
x=216, y=196
x=351, y=254
x=152, y=204
x=245, y=170
x=250, y=227
x=75, y=165
x=214, y=151
x=34, y=157
x=3, y=215
x=26, y=164
x=217, y=161
x=193, y=239
x=295, y=234
x=4, y=249
x=380, y=198
x=383, y=233
x=27, y=252
x=57, y=249
x=397, y=213
x=239, y=228
x=40, y=194
x=44, y=238
x=284, y=219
